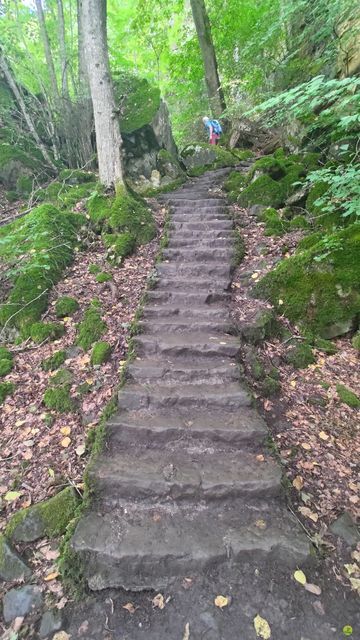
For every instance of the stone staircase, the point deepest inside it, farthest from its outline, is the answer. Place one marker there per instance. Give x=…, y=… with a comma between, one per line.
x=184, y=483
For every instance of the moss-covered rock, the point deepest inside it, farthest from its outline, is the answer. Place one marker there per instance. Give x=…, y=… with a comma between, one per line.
x=98, y=208
x=264, y=190
x=325, y=345
x=12, y=566
x=59, y=399
x=40, y=331
x=267, y=165
x=347, y=396
x=6, y=361
x=94, y=268
x=139, y=100
x=205, y=156
x=131, y=215
x=243, y=154
x=356, y=341
x=103, y=277
x=6, y=389
x=300, y=356
x=65, y=306
x=317, y=190
x=310, y=240
x=299, y=222
x=54, y=362
x=15, y=162
x=290, y=182
x=76, y=176
x=91, y=328
x=120, y=245
x=63, y=376
x=101, y=353
x=319, y=287
x=275, y=225
x=49, y=518
x=235, y=182
x=262, y=326
x=270, y=386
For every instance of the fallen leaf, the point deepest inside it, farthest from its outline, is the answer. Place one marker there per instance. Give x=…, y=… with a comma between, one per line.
x=186, y=635
x=158, y=601
x=280, y=302
x=298, y=483
x=255, y=276
x=323, y=435
x=355, y=583
x=16, y=625
x=61, y=635
x=221, y=601
x=84, y=628
x=300, y=577
x=313, y=588
x=11, y=496
x=65, y=431
x=293, y=383
x=129, y=607
x=306, y=446
x=262, y=628
x=347, y=630
x=305, y=511
x=51, y=576
x=260, y=524
x=260, y=457
x=80, y=450
x=65, y=442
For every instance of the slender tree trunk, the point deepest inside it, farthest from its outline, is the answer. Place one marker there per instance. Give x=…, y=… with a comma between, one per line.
x=62, y=45
x=20, y=100
x=203, y=29
x=47, y=49
x=84, y=97
x=108, y=137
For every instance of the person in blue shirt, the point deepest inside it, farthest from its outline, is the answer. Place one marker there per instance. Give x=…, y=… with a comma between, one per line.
x=214, y=129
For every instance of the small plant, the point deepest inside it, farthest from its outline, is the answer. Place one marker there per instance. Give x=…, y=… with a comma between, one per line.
x=40, y=331
x=91, y=328
x=101, y=352
x=54, y=362
x=347, y=396
x=6, y=389
x=59, y=399
x=66, y=306
x=6, y=361
x=94, y=268
x=103, y=277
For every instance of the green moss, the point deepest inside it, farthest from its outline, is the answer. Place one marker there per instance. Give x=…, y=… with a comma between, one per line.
x=300, y=356
x=76, y=176
x=347, y=396
x=5, y=366
x=94, y=268
x=5, y=354
x=299, y=222
x=289, y=183
x=40, y=331
x=268, y=165
x=139, y=100
x=318, y=190
x=270, y=386
x=275, y=225
x=10, y=152
x=325, y=345
x=12, y=196
x=54, y=362
x=6, y=389
x=150, y=192
x=36, y=236
x=235, y=181
x=50, y=517
x=196, y=172
x=98, y=207
x=310, y=241
x=91, y=328
x=65, y=306
x=63, y=376
x=319, y=286
x=356, y=341
x=101, y=352
x=264, y=190
x=103, y=277
x=129, y=215
x=239, y=248
x=24, y=185
x=120, y=245
x=59, y=399
x=243, y=154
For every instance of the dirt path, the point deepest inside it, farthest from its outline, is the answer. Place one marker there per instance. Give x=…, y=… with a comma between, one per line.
x=188, y=501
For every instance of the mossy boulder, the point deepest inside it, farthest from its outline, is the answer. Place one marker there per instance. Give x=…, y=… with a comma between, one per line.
x=316, y=192
x=98, y=208
x=76, y=176
x=356, y=341
x=168, y=165
x=131, y=215
x=40, y=331
x=6, y=361
x=91, y=328
x=319, y=287
x=298, y=222
x=101, y=353
x=275, y=224
x=119, y=245
x=205, y=156
x=65, y=306
x=59, y=399
x=49, y=518
x=103, y=277
x=262, y=326
x=347, y=396
x=63, y=376
x=15, y=163
x=139, y=100
x=292, y=180
x=54, y=362
x=300, y=355
x=234, y=182
x=326, y=346
x=12, y=566
x=267, y=165
x=6, y=389
x=264, y=190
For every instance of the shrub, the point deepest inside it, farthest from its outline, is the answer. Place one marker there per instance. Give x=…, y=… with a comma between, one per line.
x=54, y=362
x=65, y=306
x=40, y=331
x=91, y=328
x=101, y=352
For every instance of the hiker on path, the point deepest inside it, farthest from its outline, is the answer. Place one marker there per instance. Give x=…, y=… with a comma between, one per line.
x=214, y=129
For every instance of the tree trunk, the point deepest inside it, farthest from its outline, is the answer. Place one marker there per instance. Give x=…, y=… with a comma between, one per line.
x=203, y=29
x=107, y=130
x=47, y=49
x=84, y=97
x=20, y=100
x=62, y=47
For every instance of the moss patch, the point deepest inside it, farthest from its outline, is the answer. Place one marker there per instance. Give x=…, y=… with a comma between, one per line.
x=6, y=389
x=40, y=331
x=94, y=268
x=54, y=362
x=65, y=306
x=119, y=245
x=6, y=361
x=325, y=345
x=59, y=399
x=139, y=100
x=49, y=518
x=91, y=328
x=130, y=215
x=264, y=190
x=356, y=341
x=103, y=277
x=275, y=225
x=347, y=396
x=101, y=353
x=300, y=356
x=76, y=176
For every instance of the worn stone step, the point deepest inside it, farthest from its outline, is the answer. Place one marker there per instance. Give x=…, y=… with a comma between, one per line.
x=200, y=312
x=139, y=548
x=201, y=241
x=187, y=298
x=204, y=225
x=245, y=428
x=189, y=254
x=175, y=325
x=179, y=472
x=173, y=282
x=194, y=269
x=194, y=202
x=169, y=372
x=201, y=396
x=191, y=344
x=196, y=216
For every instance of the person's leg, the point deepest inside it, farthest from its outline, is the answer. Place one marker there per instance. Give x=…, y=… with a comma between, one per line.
x=212, y=138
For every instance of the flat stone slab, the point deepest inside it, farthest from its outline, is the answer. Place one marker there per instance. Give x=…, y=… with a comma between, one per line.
x=12, y=566
x=19, y=602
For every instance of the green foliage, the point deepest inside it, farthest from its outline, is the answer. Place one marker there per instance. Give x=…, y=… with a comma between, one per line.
x=119, y=245
x=94, y=268
x=59, y=399
x=76, y=176
x=101, y=352
x=347, y=396
x=300, y=356
x=65, y=306
x=103, y=277
x=275, y=225
x=299, y=222
x=264, y=190
x=54, y=362
x=40, y=331
x=129, y=215
x=98, y=207
x=342, y=192
x=234, y=182
x=6, y=361
x=6, y=389
x=91, y=328
x=325, y=345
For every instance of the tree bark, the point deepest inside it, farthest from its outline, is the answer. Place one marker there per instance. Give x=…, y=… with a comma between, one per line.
x=62, y=47
x=84, y=97
x=47, y=49
x=20, y=100
x=203, y=29
x=107, y=130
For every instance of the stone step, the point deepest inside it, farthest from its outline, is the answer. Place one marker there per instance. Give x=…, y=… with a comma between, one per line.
x=204, y=225
x=190, y=344
x=186, y=298
x=178, y=472
x=201, y=241
x=169, y=372
x=199, y=312
x=160, y=326
x=137, y=548
x=189, y=254
x=196, y=216
x=200, y=396
x=191, y=283
x=205, y=207
x=245, y=428
x=194, y=202
x=194, y=270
